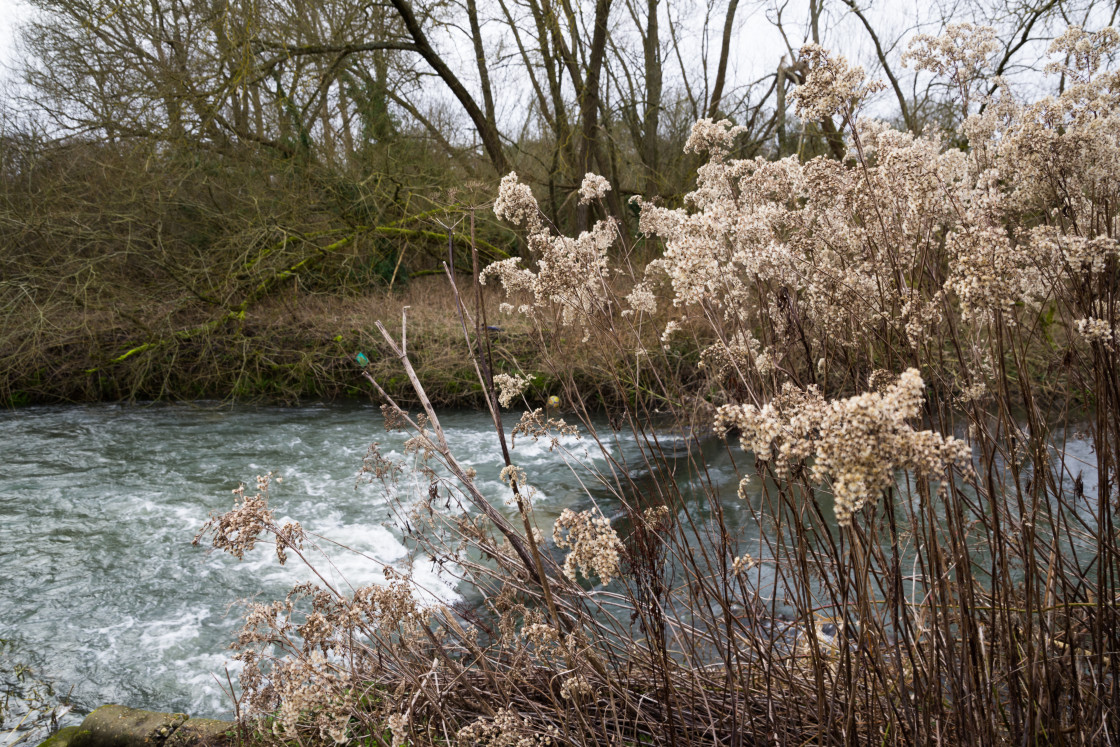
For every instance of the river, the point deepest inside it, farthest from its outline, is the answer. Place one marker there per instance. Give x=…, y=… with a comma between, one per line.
x=102, y=593
x=101, y=590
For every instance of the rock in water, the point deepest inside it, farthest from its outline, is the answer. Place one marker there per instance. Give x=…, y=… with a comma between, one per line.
x=118, y=726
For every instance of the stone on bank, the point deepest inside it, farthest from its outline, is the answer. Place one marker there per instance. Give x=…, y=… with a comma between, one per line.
x=119, y=726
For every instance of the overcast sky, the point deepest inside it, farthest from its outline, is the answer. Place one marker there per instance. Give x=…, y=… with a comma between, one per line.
x=765, y=43
x=758, y=45
x=10, y=13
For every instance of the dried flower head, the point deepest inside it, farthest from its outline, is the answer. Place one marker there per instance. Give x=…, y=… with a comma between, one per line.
x=576, y=688
x=571, y=272
x=641, y=299
x=594, y=187
x=238, y=530
x=540, y=634
x=1097, y=330
x=398, y=727
x=535, y=425
x=1083, y=52
x=715, y=138
x=510, y=387
x=857, y=443
x=831, y=87
x=595, y=548
x=516, y=203
x=506, y=729
x=961, y=54
x=743, y=563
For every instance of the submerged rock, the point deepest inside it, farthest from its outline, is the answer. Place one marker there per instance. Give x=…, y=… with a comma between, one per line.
x=69, y=736
x=119, y=726
x=203, y=732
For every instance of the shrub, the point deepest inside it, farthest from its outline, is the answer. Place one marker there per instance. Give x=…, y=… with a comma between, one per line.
x=904, y=334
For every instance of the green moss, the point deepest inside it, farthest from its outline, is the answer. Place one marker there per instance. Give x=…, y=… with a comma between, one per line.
x=69, y=736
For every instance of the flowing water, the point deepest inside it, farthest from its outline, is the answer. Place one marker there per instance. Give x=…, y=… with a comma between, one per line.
x=101, y=590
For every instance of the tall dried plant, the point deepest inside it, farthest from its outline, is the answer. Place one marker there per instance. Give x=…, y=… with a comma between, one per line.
x=901, y=341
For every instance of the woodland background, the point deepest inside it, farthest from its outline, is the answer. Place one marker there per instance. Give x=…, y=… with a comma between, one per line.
x=215, y=198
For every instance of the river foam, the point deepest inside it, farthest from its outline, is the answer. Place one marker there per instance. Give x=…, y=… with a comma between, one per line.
x=99, y=504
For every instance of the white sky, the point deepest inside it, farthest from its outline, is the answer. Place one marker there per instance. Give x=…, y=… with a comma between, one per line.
x=11, y=11
x=757, y=44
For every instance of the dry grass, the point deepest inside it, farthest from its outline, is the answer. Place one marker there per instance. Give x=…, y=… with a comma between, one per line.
x=289, y=347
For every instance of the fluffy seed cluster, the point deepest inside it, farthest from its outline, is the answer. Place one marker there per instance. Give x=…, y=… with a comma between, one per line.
x=510, y=387
x=516, y=204
x=742, y=352
x=506, y=729
x=990, y=274
x=712, y=137
x=512, y=474
x=238, y=530
x=576, y=688
x=571, y=272
x=833, y=86
x=594, y=187
x=398, y=727
x=541, y=635
x=536, y=425
x=857, y=443
x=595, y=547
x=1097, y=330
x=742, y=564
x=641, y=300
x=961, y=55
x=375, y=466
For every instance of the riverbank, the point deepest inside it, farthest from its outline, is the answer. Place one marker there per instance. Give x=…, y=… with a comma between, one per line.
x=289, y=348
